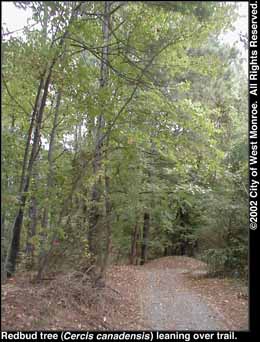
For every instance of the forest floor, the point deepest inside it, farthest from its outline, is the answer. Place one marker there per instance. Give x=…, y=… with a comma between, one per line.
x=171, y=293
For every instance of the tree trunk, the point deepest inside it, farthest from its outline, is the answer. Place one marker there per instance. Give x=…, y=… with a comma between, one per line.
x=95, y=243
x=146, y=230
x=133, y=253
x=31, y=233
x=29, y=135
x=45, y=219
x=147, y=216
x=50, y=159
x=108, y=209
x=15, y=242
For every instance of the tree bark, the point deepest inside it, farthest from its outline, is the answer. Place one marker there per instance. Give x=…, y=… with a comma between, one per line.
x=133, y=253
x=15, y=241
x=50, y=160
x=45, y=219
x=31, y=232
x=95, y=243
x=108, y=210
x=146, y=230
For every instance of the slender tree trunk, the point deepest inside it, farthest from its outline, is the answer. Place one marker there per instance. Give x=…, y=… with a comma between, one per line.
x=95, y=243
x=133, y=253
x=45, y=219
x=138, y=247
x=31, y=232
x=29, y=134
x=108, y=209
x=146, y=230
x=50, y=159
x=147, y=214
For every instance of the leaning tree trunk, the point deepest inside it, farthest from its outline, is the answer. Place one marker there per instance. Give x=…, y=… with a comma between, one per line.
x=15, y=242
x=10, y=262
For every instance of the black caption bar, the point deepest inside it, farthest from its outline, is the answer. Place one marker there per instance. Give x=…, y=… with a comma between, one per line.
x=184, y=336
x=253, y=77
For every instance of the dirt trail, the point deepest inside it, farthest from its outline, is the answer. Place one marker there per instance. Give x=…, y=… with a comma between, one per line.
x=172, y=293
x=170, y=299
x=169, y=305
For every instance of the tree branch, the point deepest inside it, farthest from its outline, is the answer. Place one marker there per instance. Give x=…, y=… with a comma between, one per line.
x=13, y=98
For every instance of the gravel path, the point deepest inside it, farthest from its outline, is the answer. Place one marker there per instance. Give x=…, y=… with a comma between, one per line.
x=167, y=305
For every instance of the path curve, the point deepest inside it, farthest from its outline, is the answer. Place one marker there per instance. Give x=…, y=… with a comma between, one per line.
x=168, y=305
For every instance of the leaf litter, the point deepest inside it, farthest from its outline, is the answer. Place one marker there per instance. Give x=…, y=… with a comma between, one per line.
x=166, y=293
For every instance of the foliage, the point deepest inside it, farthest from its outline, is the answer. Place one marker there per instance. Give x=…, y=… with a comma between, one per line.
x=171, y=119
